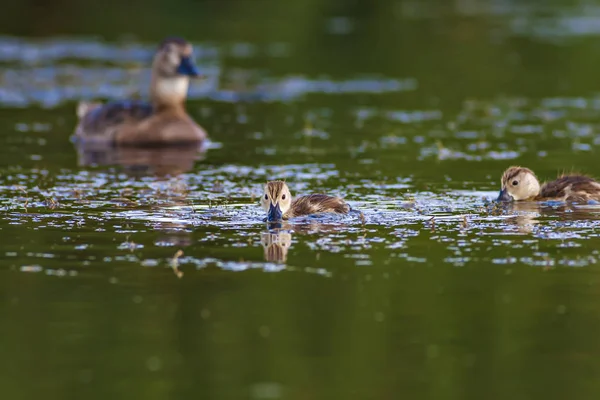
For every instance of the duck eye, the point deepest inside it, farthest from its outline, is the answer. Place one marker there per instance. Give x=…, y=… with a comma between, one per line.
x=283, y=197
x=515, y=183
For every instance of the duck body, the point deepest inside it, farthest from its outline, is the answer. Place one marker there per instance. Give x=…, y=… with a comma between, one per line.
x=136, y=122
x=519, y=184
x=571, y=188
x=278, y=203
x=162, y=120
x=316, y=204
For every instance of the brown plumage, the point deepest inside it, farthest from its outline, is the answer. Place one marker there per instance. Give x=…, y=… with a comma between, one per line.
x=520, y=183
x=161, y=121
x=277, y=202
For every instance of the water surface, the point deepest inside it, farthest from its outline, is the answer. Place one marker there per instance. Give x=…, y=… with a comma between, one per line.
x=150, y=274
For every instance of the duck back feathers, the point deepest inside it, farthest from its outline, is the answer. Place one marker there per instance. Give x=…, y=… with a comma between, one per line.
x=317, y=203
x=102, y=120
x=577, y=188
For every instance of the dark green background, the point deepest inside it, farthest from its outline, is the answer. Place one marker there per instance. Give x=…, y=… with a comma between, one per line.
x=481, y=303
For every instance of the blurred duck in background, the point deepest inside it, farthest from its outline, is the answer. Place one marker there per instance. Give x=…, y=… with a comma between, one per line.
x=162, y=121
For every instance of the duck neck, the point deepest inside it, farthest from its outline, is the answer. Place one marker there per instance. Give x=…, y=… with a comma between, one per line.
x=169, y=93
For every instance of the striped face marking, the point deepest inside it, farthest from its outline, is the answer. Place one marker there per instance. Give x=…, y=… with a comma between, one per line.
x=276, y=199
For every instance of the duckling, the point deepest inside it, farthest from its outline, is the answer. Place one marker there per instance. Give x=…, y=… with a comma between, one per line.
x=277, y=202
x=520, y=183
x=163, y=120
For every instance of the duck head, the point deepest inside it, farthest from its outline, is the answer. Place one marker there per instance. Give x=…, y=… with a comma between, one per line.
x=518, y=183
x=172, y=68
x=276, y=200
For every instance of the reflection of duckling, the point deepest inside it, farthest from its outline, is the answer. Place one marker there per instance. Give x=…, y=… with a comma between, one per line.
x=277, y=202
x=163, y=121
x=522, y=223
x=276, y=245
x=521, y=184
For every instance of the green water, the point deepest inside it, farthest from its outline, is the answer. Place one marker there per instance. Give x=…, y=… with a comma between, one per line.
x=150, y=274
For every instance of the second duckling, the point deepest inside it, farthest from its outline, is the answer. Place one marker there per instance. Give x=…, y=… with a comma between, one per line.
x=277, y=202
x=520, y=183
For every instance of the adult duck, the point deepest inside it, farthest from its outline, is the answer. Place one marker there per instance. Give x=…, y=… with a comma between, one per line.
x=161, y=121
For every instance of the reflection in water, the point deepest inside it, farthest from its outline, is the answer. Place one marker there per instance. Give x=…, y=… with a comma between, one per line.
x=173, y=234
x=528, y=214
x=276, y=245
x=278, y=239
x=525, y=218
x=523, y=223
x=567, y=210
x=142, y=161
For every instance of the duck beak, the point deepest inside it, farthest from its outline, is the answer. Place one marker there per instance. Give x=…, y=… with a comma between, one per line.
x=188, y=67
x=275, y=213
x=504, y=196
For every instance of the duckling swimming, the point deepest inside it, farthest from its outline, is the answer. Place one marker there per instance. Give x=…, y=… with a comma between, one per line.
x=163, y=120
x=520, y=183
x=277, y=202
